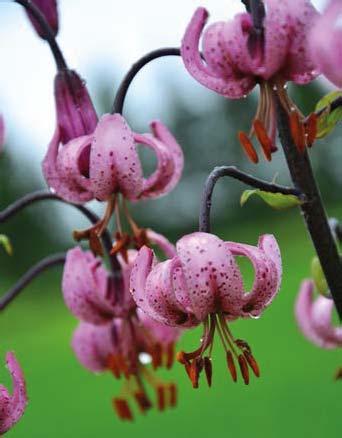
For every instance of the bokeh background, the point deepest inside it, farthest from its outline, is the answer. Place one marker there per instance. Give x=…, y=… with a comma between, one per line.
x=296, y=394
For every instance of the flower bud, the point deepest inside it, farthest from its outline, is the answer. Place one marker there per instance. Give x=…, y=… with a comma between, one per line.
x=76, y=115
x=49, y=10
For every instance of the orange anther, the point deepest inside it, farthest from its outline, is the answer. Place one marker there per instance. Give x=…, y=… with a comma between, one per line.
x=194, y=373
x=264, y=140
x=311, y=129
x=161, y=397
x=297, y=131
x=170, y=355
x=122, y=409
x=113, y=365
x=143, y=401
x=157, y=356
x=208, y=368
x=252, y=363
x=248, y=147
x=231, y=365
x=173, y=394
x=244, y=368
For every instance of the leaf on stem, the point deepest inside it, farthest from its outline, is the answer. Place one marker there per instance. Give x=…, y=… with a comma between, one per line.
x=6, y=244
x=278, y=201
x=328, y=119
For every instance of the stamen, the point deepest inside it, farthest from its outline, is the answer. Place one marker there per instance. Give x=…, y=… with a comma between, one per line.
x=170, y=355
x=264, y=140
x=161, y=397
x=297, y=131
x=244, y=368
x=231, y=365
x=157, y=356
x=248, y=147
x=122, y=409
x=113, y=365
x=143, y=401
x=173, y=394
x=194, y=371
x=311, y=129
x=208, y=368
x=252, y=363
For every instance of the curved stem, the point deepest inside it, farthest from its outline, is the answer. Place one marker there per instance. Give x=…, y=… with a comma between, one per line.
x=42, y=195
x=313, y=211
x=233, y=172
x=34, y=271
x=132, y=72
x=49, y=35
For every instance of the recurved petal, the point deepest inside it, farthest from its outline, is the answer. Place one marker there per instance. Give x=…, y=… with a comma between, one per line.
x=92, y=345
x=66, y=188
x=303, y=313
x=326, y=42
x=162, y=242
x=83, y=292
x=211, y=274
x=114, y=161
x=300, y=65
x=231, y=88
x=321, y=314
x=12, y=406
x=267, y=266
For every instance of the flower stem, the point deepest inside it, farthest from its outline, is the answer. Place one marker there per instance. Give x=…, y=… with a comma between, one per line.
x=42, y=195
x=134, y=70
x=49, y=35
x=219, y=172
x=313, y=210
x=34, y=271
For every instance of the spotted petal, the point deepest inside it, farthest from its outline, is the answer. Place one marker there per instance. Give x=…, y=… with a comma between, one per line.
x=228, y=87
x=212, y=276
x=12, y=406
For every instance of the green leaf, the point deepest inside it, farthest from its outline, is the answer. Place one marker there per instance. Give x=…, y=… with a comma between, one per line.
x=5, y=242
x=319, y=277
x=278, y=201
x=328, y=119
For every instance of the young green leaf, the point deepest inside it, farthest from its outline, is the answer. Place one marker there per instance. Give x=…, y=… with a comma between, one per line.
x=328, y=119
x=6, y=244
x=319, y=277
x=278, y=201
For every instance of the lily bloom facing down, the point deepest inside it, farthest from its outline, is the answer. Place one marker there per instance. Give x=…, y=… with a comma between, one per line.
x=326, y=42
x=237, y=56
x=314, y=318
x=99, y=165
x=12, y=406
x=203, y=284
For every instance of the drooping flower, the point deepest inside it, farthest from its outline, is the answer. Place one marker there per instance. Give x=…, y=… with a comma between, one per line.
x=326, y=42
x=89, y=291
x=239, y=54
x=314, y=318
x=124, y=347
x=12, y=406
x=203, y=284
x=107, y=162
x=49, y=10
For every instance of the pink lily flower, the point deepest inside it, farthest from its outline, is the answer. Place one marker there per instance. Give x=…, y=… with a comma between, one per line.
x=88, y=290
x=326, y=42
x=236, y=58
x=314, y=318
x=49, y=9
x=203, y=284
x=99, y=165
x=12, y=406
x=120, y=347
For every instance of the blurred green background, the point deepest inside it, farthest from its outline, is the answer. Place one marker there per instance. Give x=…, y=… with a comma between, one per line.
x=296, y=394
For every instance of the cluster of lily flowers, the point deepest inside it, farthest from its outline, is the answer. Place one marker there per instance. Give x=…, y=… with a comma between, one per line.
x=132, y=313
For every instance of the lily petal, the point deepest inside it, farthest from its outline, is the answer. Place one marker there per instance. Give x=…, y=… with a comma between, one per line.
x=322, y=309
